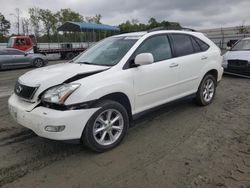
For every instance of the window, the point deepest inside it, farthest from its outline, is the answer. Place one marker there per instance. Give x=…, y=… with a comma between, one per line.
x=14, y=52
x=20, y=42
x=202, y=44
x=196, y=46
x=182, y=44
x=158, y=46
x=2, y=52
x=107, y=52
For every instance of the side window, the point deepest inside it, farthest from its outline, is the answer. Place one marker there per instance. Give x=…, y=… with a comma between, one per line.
x=196, y=46
x=15, y=52
x=182, y=44
x=158, y=46
x=202, y=44
x=2, y=52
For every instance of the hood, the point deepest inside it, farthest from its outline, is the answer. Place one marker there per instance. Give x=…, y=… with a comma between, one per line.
x=242, y=55
x=56, y=74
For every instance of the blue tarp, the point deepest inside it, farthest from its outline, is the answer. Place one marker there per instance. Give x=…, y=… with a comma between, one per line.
x=79, y=26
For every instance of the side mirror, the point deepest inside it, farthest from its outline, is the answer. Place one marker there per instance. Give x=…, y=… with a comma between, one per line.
x=25, y=53
x=144, y=59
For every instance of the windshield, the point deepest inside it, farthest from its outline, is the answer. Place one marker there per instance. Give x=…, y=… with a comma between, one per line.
x=241, y=45
x=10, y=43
x=107, y=52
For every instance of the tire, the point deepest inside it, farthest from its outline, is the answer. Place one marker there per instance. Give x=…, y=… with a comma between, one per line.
x=101, y=123
x=38, y=63
x=70, y=55
x=206, y=90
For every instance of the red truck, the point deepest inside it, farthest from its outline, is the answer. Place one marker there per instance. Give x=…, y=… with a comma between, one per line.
x=26, y=43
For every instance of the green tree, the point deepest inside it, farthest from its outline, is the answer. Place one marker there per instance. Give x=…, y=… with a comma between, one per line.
x=49, y=21
x=4, y=25
x=65, y=15
x=153, y=23
x=94, y=19
x=135, y=25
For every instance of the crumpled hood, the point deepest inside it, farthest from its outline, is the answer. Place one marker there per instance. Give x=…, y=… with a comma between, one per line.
x=242, y=55
x=49, y=76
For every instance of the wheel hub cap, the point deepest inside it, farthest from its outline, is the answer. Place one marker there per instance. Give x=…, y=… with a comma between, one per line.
x=108, y=127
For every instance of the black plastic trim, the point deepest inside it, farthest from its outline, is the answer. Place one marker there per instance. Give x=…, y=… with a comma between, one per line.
x=82, y=75
x=62, y=107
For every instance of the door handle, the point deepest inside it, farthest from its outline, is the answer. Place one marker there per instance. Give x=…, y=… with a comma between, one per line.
x=203, y=58
x=173, y=65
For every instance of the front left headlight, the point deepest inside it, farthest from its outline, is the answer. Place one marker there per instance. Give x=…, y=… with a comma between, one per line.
x=60, y=93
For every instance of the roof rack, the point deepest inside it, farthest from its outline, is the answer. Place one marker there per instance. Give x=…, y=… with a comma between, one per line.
x=171, y=28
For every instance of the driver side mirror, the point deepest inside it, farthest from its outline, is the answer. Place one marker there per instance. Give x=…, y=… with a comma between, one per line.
x=144, y=59
x=25, y=53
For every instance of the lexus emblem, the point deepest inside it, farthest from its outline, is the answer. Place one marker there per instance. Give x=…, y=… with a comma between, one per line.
x=19, y=89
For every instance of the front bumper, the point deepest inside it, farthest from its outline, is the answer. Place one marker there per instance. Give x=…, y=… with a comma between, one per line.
x=40, y=117
x=236, y=69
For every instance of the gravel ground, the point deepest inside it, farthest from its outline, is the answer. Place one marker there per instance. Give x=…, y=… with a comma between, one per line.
x=177, y=145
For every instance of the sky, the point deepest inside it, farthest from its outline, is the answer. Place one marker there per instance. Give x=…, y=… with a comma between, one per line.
x=197, y=14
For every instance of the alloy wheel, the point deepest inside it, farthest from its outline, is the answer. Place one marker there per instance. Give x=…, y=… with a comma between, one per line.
x=108, y=127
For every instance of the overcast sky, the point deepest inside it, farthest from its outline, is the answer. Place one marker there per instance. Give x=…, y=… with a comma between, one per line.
x=198, y=14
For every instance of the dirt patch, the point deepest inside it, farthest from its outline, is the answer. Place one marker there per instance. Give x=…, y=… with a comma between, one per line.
x=179, y=145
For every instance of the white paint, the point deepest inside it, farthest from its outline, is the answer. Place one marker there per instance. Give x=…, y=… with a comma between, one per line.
x=146, y=86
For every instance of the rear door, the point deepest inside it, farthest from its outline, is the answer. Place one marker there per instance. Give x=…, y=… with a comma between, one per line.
x=191, y=60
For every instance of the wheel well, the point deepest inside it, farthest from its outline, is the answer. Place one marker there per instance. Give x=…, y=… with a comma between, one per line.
x=36, y=59
x=122, y=99
x=214, y=73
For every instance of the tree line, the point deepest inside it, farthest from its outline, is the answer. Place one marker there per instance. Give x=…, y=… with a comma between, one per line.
x=43, y=23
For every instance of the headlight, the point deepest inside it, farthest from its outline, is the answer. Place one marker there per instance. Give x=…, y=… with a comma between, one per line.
x=60, y=93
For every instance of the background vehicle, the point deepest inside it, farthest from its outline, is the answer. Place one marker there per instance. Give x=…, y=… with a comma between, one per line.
x=67, y=50
x=94, y=97
x=28, y=43
x=237, y=59
x=13, y=58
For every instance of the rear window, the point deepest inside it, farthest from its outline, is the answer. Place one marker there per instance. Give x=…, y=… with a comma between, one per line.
x=204, y=46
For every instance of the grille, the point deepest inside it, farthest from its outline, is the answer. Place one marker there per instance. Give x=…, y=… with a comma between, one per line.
x=238, y=64
x=24, y=91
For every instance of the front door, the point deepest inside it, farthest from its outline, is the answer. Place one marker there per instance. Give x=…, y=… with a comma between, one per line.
x=156, y=83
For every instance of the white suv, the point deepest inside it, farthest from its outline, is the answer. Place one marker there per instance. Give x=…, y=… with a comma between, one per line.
x=94, y=97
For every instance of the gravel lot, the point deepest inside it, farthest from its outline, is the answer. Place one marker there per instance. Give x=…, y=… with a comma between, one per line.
x=178, y=145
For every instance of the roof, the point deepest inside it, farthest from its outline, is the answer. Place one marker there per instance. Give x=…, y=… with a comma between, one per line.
x=141, y=33
x=81, y=26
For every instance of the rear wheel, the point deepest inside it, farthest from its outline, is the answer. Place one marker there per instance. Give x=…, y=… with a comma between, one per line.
x=206, y=91
x=70, y=55
x=107, y=126
x=38, y=63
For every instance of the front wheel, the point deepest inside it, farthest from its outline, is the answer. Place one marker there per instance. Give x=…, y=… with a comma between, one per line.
x=206, y=91
x=107, y=126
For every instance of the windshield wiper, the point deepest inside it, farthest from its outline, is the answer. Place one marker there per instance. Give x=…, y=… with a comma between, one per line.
x=84, y=62
x=89, y=63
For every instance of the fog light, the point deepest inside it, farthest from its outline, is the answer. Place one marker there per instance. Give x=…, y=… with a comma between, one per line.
x=59, y=128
